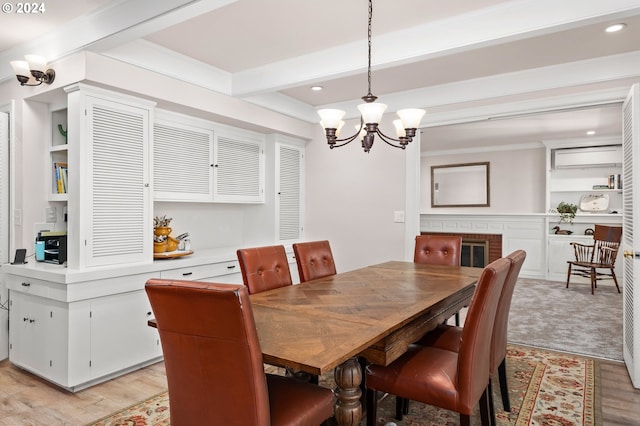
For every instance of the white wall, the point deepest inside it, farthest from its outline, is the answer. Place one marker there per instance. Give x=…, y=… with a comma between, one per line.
x=351, y=197
x=517, y=181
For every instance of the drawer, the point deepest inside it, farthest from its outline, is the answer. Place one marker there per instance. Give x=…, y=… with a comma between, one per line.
x=199, y=272
x=28, y=285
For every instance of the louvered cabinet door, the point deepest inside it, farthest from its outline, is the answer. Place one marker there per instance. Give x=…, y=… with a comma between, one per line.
x=182, y=162
x=115, y=203
x=289, y=191
x=238, y=172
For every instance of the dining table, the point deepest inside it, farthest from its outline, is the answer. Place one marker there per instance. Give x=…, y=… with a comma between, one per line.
x=372, y=313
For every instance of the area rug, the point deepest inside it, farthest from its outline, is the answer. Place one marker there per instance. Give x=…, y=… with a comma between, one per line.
x=548, y=315
x=546, y=388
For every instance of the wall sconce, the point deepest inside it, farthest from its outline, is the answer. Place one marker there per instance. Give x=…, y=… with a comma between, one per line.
x=34, y=69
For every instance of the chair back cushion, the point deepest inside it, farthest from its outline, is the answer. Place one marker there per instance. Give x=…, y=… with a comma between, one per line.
x=264, y=268
x=499, y=345
x=314, y=260
x=438, y=250
x=475, y=344
x=212, y=354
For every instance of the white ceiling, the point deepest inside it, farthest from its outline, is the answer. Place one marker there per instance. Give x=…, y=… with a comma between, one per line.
x=271, y=52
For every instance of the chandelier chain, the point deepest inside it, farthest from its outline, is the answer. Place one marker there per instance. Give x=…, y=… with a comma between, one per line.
x=369, y=45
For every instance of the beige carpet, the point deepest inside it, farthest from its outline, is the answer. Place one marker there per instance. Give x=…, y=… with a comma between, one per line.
x=545, y=314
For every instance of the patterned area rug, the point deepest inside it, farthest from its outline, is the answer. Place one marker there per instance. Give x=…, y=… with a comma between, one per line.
x=545, y=387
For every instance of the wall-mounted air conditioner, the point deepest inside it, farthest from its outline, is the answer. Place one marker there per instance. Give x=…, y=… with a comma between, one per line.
x=596, y=156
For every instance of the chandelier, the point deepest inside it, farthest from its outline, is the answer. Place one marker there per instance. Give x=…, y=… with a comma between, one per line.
x=371, y=114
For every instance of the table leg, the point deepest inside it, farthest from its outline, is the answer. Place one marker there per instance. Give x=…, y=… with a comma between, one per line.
x=348, y=377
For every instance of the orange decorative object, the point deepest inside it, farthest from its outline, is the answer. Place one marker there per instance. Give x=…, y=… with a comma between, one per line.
x=160, y=247
x=162, y=230
x=172, y=244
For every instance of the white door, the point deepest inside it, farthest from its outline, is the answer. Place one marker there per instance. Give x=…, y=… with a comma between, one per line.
x=630, y=238
x=4, y=228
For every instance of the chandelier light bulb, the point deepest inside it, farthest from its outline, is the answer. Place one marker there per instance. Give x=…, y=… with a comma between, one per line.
x=372, y=112
x=411, y=117
x=330, y=118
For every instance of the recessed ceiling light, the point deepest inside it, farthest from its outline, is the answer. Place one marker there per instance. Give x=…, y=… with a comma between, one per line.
x=591, y=132
x=615, y=28
x=316, y=88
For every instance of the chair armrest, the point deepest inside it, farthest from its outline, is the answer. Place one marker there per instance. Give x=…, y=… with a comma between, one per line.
x=590, y=246
x=583, y=252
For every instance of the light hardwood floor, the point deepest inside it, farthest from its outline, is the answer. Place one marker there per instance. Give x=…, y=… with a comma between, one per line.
x=27, y=400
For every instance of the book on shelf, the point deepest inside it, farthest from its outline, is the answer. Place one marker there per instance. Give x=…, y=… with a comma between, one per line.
x=60, y=176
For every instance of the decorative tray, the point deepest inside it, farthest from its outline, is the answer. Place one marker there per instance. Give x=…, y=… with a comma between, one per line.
x=594, y=203
x=172, y=254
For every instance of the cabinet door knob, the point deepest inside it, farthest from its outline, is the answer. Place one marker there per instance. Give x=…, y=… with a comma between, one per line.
x=26, y=284
x=231, y=267
x=186, y=274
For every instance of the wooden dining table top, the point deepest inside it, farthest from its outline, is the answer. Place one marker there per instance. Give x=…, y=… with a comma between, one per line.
x=317, y=325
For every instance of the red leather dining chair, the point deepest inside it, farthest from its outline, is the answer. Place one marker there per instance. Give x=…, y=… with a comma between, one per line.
x=213, y=361
x=439, y=250
x=264, y=268
x=449, y=337
x=314, y=260
x=453, y=380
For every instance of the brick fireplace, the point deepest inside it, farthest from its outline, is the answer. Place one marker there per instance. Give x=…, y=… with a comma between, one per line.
x=493, y=242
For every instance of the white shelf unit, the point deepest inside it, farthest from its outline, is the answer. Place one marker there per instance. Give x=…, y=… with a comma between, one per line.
x=58, y=153
x=583, y=173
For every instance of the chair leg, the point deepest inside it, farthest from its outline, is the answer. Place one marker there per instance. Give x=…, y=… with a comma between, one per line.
x=485, y=409
x=402, y=407
x=399, y=407
x=372, y=407
x=504, y=388
x=492, y=408
x=465, y=420
x=615, y=279
x=568, y=276
x=593, y=280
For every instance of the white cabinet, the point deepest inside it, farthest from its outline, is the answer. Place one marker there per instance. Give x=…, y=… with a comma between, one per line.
x=289, y=184
x=37, y=338
x=109, y=199
x=133, y=343
x=182, y=160
x=77, y=343
x=198, y=160
x=203, y=272
x=238, y=166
